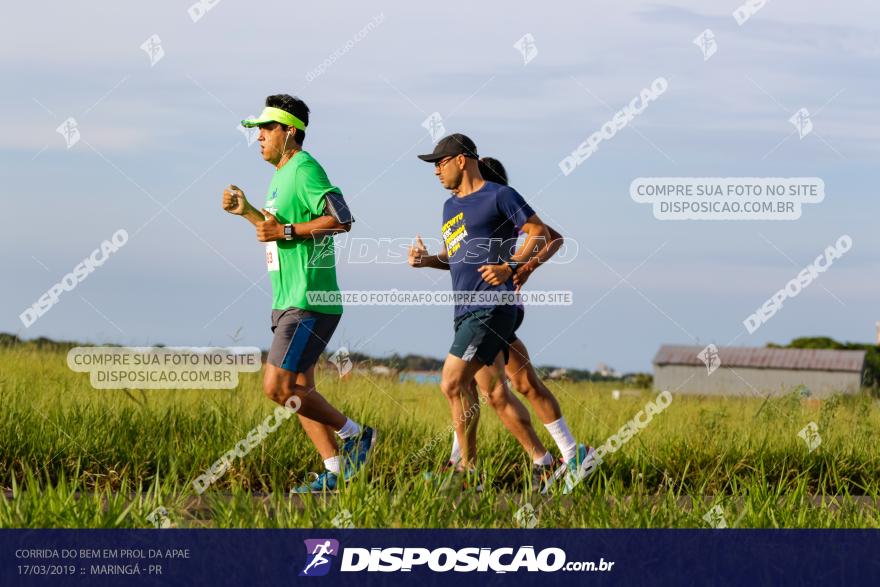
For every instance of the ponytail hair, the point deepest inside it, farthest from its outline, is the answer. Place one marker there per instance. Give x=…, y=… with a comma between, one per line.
x=492, y=170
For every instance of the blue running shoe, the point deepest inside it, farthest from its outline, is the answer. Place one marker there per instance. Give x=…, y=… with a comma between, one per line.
x=325, y=482
x=355, y=451
x=578, y=467
x=572, y=464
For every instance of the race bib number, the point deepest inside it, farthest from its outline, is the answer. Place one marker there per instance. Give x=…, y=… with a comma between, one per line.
x=272, y=263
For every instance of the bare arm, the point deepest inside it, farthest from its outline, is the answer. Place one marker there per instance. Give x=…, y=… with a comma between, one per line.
x=235, y=202
x=542, y=256
x=321, y=226
x=537, y=239
x=419, y=257
x=439, y=261
x=272, y=230
x=253, y=215
x=268, y=227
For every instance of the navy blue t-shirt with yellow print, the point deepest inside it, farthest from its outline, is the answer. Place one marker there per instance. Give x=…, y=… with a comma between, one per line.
x=481, y=229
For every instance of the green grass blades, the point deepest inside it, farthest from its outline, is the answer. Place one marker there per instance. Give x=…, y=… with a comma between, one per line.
x=73, y=456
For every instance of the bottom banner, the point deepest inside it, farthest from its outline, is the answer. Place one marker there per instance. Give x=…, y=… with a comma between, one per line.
x=479, y=557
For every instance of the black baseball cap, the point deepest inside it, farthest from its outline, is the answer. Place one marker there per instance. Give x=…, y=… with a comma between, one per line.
x=454, y=144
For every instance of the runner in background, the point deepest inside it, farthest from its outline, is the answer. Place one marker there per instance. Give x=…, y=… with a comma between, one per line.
x=577, y=458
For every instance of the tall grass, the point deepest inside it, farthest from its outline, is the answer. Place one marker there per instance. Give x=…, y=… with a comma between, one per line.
x=73, y=456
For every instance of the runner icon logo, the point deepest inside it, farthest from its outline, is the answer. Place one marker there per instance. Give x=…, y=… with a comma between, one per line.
x=319, y=552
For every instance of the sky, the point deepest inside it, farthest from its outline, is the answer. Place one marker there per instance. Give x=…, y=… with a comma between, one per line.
x=158, y=140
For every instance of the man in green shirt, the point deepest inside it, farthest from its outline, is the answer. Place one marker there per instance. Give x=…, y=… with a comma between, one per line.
x=303, y=211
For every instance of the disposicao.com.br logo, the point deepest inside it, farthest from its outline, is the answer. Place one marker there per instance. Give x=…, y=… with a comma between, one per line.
x=442, y=560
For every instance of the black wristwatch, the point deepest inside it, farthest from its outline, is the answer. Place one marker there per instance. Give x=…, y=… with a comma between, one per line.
x=514, y=265
x=288, y=232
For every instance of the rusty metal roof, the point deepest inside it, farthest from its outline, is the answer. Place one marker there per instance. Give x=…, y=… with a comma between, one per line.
x=766, y=358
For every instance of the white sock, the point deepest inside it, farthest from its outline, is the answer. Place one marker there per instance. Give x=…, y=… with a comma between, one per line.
x=333, y=465
x=547, y=459
x=456, y=449
x=351, y=428
x=564, y=440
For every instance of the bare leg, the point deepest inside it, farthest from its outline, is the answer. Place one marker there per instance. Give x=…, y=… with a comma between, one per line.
x=280, y=385
x=473, y=425
x=456, y=386
x=525, y=380
x=321, y=435
x=513, y=413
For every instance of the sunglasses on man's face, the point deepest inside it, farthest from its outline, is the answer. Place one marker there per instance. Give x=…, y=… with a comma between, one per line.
x=442, y=162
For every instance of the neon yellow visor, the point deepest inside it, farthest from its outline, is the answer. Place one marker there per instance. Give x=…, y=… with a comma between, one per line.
x=271, y=114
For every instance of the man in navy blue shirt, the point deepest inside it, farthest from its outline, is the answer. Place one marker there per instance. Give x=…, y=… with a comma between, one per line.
x=480, y=224
x=579, y=460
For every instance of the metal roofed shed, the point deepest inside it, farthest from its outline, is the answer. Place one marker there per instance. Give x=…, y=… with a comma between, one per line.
x=753, y=371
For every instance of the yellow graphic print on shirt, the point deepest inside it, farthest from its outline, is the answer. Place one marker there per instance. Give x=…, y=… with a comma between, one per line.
x=454, y=232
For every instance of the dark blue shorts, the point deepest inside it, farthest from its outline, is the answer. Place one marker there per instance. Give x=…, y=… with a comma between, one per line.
x=300, y=338
x=520, y=316
x=482, y=334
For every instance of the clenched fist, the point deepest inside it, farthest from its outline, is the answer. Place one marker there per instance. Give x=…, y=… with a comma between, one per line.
x=234, y=201
x=269, y=229
x=495, y=274
x=416, y=252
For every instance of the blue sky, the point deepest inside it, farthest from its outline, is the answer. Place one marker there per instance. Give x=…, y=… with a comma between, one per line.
x=192, y=275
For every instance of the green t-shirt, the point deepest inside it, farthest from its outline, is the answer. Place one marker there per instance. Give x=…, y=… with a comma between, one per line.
x=301, y=265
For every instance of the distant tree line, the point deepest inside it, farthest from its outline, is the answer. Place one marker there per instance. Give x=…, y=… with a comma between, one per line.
x=641, y=380
x=409, y=362
x=41, y=343
x=412, y=362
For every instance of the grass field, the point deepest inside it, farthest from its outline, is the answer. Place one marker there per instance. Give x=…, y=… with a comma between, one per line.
x=72, y=456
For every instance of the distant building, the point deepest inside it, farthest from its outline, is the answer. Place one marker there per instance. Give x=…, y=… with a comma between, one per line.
x=558, y=373
x=606, y=371
x=757, y=371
